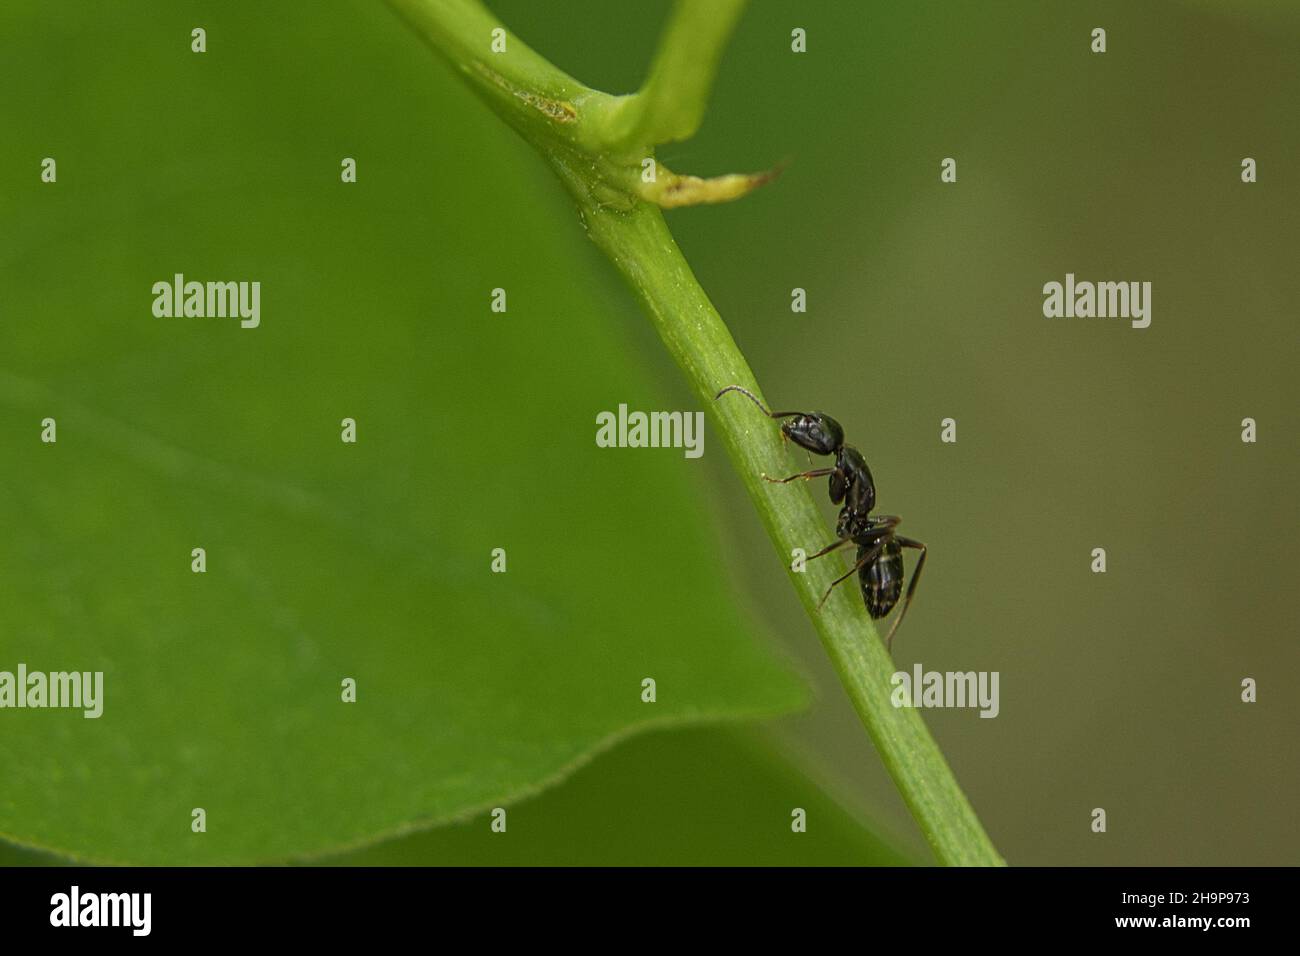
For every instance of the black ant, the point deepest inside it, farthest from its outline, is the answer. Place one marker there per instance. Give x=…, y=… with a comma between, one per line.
x=879, y=563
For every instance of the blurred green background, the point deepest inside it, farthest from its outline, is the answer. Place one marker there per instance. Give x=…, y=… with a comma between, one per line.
x=1118, y=691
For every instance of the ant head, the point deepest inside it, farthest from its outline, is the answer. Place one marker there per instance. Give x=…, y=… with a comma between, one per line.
x=811, y=431
x=814, y=432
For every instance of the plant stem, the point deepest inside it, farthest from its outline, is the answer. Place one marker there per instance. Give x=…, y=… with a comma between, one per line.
x=642, y=248
x=538, y=99
x=670, y=105
x=632, y=232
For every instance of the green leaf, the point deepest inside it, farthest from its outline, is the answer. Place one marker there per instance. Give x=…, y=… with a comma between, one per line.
x=325, y=560
x=715, y=798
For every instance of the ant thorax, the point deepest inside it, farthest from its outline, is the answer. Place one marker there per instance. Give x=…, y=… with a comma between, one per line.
x=859, y=488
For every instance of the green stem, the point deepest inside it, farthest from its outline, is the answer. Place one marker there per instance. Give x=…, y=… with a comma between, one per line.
x=539, y=100
x=632, y=232
x=670, y=105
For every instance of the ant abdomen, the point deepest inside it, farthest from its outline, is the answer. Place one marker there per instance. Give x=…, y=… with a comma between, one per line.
x=881, y=579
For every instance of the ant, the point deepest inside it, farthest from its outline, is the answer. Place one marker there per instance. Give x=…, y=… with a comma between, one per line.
x=879, y=564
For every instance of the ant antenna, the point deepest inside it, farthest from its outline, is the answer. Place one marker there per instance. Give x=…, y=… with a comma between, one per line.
x=754, y=398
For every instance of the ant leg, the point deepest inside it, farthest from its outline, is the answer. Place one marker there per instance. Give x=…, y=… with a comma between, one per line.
x=874, y=533
x=805, y=475
x=911, y=587
x=862, y=563
x=830, y=547
x=878, y=531
x=754, y=398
